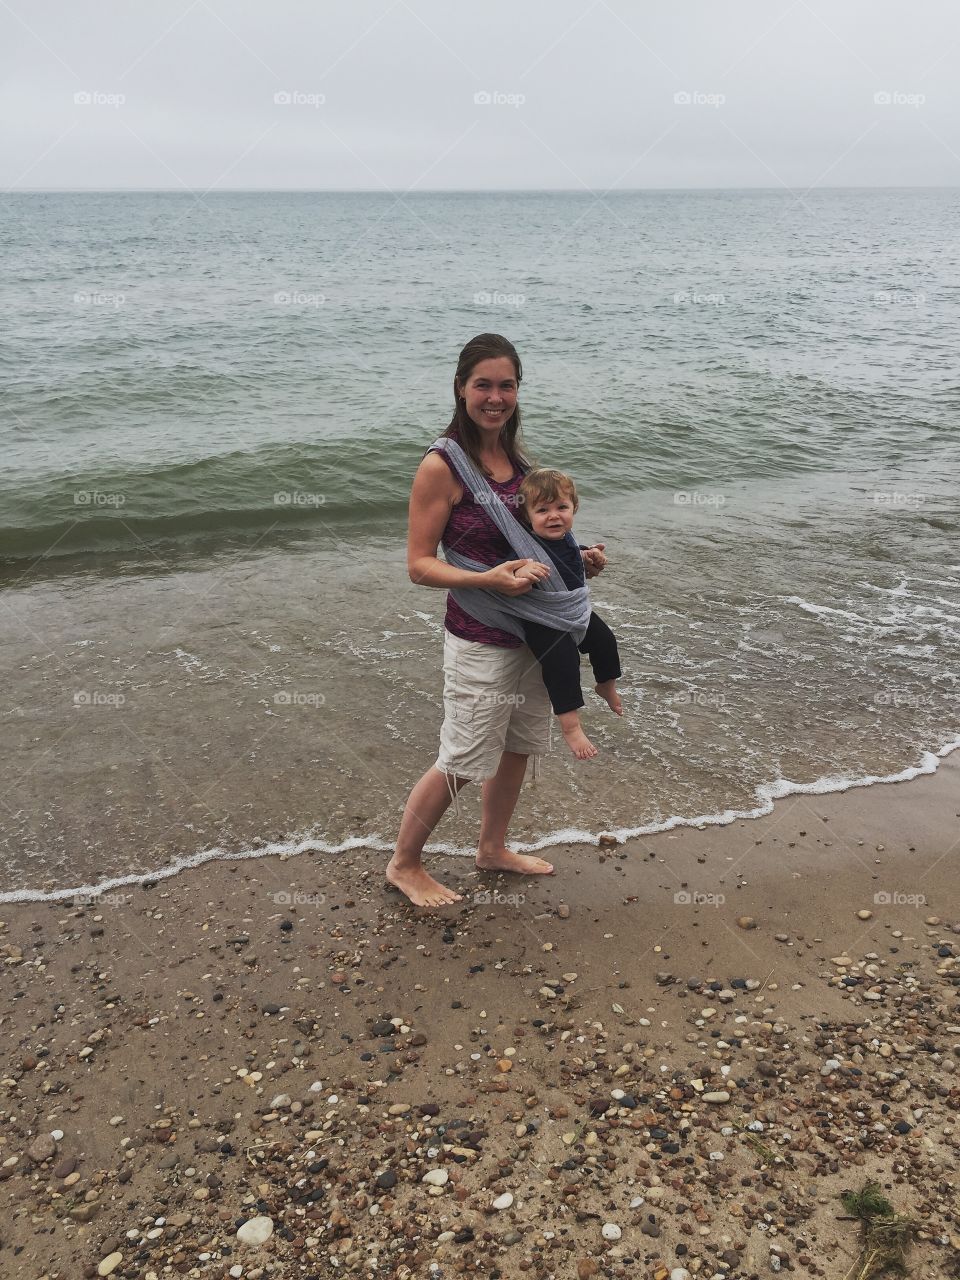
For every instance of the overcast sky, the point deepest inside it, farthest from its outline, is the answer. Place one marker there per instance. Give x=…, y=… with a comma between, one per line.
x=375, y=94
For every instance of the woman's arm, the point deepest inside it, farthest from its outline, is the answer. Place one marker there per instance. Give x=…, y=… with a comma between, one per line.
x=432, y=498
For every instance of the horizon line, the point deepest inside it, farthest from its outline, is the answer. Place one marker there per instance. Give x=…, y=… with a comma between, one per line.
x=402, y=191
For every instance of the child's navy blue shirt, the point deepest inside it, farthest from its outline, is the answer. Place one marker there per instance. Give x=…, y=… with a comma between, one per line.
x=565, y=554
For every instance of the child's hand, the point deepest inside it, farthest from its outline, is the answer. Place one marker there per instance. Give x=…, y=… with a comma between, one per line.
x=594, y=561
x=515, y=577
x=532, y=571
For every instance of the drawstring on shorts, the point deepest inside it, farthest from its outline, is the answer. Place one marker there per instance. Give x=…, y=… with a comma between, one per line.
x=453, y=790
x=538, y=760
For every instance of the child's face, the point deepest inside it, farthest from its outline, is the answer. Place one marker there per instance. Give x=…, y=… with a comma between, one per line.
x=551, y=519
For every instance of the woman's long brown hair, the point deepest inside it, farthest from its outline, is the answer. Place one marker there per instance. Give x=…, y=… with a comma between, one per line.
x=486, y=346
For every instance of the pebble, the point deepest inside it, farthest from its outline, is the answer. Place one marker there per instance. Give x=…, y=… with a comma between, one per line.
x=109, y=1264
x=333, y=1172
x=42, y=1148
x=864, y=914
x=746, y=922
x=256, y=1231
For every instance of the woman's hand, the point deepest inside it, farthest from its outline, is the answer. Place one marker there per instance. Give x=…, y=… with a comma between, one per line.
x=515, y=577
x=594, y=561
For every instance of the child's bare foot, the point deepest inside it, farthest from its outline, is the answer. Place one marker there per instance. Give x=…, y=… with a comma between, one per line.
x=608, y=692
x=421, y=889
x=577, y=740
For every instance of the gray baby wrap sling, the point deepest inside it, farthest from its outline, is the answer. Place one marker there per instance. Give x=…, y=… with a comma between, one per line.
x=551, y=603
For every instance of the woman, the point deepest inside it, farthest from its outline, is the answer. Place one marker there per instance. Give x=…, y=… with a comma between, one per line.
x=496, y=709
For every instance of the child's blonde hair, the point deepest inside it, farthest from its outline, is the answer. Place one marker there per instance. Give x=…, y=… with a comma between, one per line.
x=543, y=484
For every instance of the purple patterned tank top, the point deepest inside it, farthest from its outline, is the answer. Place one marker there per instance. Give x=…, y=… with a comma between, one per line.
x=474, y=534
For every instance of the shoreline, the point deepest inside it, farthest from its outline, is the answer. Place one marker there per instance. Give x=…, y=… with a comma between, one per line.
x=768, y=794
x=696, y=1039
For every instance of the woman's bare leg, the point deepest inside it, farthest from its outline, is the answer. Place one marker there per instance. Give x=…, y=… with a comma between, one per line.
x=426, y=805
x=500, y=795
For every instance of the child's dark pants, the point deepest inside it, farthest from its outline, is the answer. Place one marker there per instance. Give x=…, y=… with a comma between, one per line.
x=559, y=659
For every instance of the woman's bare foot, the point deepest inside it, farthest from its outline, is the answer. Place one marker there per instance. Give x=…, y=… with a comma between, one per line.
x=608, y=692
x=421, y=889
x=575, y=738
x=506, y=860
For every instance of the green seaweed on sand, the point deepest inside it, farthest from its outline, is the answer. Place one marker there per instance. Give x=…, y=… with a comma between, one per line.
x=886, y=1235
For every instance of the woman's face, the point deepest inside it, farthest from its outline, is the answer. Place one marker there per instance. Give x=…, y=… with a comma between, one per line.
x=490, y=393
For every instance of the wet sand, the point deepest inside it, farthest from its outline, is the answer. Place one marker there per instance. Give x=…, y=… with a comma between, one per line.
x=669, y=1058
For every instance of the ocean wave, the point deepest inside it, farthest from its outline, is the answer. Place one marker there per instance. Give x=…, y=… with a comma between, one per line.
x=766, y=795
x=304, y=486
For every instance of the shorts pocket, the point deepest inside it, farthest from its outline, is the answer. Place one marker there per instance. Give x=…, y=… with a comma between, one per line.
x=459, y=702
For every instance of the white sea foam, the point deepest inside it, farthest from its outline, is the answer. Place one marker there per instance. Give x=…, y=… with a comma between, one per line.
x=766, y=795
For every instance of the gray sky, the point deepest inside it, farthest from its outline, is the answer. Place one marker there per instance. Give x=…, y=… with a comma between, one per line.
x=376, y=94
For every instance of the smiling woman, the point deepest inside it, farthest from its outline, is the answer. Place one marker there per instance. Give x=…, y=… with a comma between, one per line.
x=496, y=711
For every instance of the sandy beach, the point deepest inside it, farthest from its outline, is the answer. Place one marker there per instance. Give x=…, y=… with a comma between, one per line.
x=669, y=1059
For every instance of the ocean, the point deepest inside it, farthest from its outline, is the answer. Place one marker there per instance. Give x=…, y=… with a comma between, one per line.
x=211, y=410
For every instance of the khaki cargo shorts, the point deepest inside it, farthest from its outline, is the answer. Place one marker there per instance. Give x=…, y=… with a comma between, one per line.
x=494, y=700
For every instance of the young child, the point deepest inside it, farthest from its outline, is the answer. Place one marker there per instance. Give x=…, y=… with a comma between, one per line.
x=547, y=503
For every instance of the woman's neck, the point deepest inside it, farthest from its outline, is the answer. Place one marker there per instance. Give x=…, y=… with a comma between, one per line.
x=493, y=450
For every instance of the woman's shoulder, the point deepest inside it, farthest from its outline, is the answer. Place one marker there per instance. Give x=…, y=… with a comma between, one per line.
x=436, y=462
x=438, y=470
